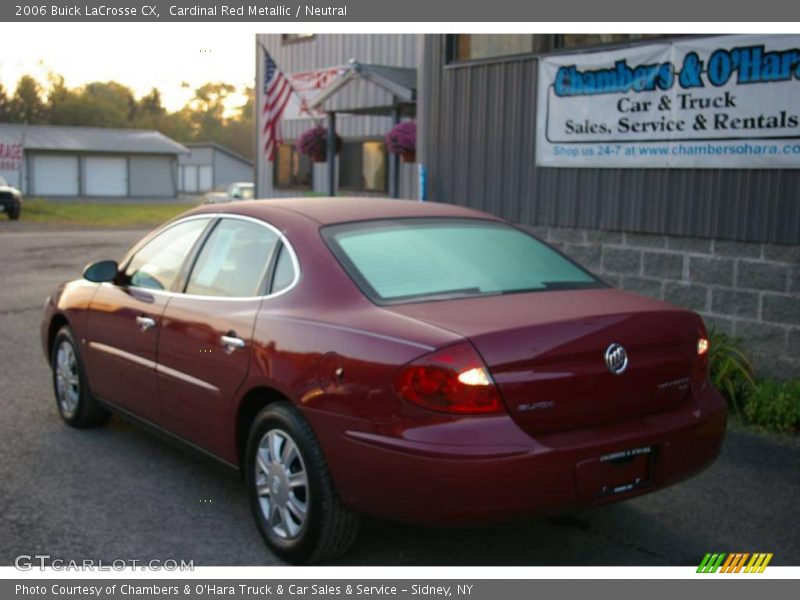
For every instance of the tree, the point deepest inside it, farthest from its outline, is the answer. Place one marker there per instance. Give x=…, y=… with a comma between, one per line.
x=150, y=104
x=238, y=132
x=27, y=105
x=61, y=102
x=208, y=109
x=112, y=104
x=5, y=106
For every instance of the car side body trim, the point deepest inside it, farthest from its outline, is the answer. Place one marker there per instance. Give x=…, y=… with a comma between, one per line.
x=180, y=375
x=143, y=362
x=149, y=364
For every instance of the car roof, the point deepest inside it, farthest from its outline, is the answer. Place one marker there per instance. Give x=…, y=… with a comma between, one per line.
x=328, y=210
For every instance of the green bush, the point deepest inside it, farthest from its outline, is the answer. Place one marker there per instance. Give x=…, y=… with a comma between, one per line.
x=775, y=405
x=730, y=369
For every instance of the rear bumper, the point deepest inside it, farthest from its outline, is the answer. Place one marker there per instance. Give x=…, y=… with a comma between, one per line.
x=487, y=469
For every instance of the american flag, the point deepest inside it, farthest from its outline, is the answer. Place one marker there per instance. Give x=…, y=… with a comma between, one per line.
x=277, y=92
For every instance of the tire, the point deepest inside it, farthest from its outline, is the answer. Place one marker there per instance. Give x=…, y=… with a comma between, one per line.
x=13, y=213
x=327, y=528
x=76, y=405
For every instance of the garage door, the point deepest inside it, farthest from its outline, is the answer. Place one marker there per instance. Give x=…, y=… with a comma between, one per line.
x=190, y=178
x=106, y=176
x=55, y=175
x=206, y=175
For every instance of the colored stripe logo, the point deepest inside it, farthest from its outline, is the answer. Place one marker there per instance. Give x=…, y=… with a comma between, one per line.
x=735, y=562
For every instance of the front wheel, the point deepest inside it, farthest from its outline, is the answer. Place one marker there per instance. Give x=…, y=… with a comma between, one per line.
x=295, y=505
x=76, y=405
x=13, y=213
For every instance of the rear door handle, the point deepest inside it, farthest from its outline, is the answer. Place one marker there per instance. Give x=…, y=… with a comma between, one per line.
x=145, y=323
x=231, y=343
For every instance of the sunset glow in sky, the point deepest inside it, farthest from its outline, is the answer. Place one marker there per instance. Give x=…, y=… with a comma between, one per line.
x=176, y=60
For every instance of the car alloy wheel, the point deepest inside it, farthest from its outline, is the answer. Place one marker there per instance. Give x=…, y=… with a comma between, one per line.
x=295, y=504
x=74, y=399
x=68, y=381
x=282, y=484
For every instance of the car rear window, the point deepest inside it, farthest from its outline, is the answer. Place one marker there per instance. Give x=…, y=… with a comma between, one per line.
x=410, y=260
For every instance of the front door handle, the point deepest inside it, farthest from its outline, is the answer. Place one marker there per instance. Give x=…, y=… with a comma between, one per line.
x=231, y=343
x=145, y=323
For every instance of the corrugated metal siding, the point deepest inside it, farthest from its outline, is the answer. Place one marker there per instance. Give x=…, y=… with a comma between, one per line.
x=330, y=51
x=479, y=146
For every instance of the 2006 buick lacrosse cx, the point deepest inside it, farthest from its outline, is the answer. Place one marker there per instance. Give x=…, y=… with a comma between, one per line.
x=414, y=361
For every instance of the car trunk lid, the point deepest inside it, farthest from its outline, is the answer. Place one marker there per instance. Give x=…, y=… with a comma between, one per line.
x=546, y=352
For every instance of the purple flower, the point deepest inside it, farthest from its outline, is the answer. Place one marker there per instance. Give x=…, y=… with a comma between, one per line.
x=314, y=142
x=402, y=138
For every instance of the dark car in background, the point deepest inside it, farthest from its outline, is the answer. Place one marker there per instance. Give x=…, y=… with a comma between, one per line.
x=413, y=361
x=10, y=200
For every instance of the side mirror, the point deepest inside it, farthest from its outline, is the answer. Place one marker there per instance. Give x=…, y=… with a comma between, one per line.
x=102, y=271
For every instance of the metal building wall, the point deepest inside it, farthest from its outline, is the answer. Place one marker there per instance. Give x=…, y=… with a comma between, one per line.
x=152, y=176
x=330, y=51
x=228, y=170
x=479, y=146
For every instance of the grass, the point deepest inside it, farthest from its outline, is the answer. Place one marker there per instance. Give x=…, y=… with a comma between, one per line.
x=99, y=215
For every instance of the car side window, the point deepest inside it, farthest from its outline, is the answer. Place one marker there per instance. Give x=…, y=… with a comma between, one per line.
x=284, y=273
x=233, y=261
x=158, y=263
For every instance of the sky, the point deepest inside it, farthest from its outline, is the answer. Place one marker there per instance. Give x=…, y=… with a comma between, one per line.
x=140, y=57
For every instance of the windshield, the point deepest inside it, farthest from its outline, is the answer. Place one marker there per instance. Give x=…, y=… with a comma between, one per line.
x=3, y=181
x=408, y=260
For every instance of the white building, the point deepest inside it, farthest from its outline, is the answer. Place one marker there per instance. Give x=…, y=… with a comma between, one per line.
x=46, y=160
x=211, y=166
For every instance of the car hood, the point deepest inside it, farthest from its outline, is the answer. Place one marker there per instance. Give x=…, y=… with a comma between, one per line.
x=8, y=188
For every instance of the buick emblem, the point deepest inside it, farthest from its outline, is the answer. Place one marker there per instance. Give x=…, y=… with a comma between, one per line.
x=616, y=359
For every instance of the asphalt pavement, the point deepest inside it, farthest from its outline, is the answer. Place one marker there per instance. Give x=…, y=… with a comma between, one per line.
x=120, y=493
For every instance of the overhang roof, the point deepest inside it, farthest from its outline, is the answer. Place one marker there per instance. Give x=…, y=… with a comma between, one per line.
x=399, y=83
x=91, y=139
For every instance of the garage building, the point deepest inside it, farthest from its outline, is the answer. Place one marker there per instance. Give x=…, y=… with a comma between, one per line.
x=95, y=162
x=211, y=166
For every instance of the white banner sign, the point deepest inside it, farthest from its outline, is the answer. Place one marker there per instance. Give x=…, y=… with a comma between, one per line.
x=307, y=86
x=718, y=102
x=11, y=157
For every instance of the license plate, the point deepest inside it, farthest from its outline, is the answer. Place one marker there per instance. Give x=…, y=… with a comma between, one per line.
x=615, y=472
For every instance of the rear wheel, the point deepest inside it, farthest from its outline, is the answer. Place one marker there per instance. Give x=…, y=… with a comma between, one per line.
x=296, y=508
x=76, y=405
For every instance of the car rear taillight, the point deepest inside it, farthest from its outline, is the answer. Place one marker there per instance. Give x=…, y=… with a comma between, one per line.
x=453, y=380
x=700, y=375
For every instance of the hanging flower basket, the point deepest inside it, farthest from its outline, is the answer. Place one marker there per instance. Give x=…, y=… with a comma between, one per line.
x=314, y=143
x=402, y=140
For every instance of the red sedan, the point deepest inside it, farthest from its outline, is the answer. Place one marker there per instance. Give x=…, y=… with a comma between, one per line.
x=414, y=361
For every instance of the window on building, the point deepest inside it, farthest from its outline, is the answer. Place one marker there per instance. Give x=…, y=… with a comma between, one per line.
x=576, y=40
x=362, y=166
x=291, y=38
x=291, y=169
x=464, y=47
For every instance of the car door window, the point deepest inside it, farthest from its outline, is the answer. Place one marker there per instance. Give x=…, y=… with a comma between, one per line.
x=158, y=263
x=234, y=260
x=284, y=273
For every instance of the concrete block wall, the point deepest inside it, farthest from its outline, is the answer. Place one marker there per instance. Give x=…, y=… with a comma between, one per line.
x=749, y=290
